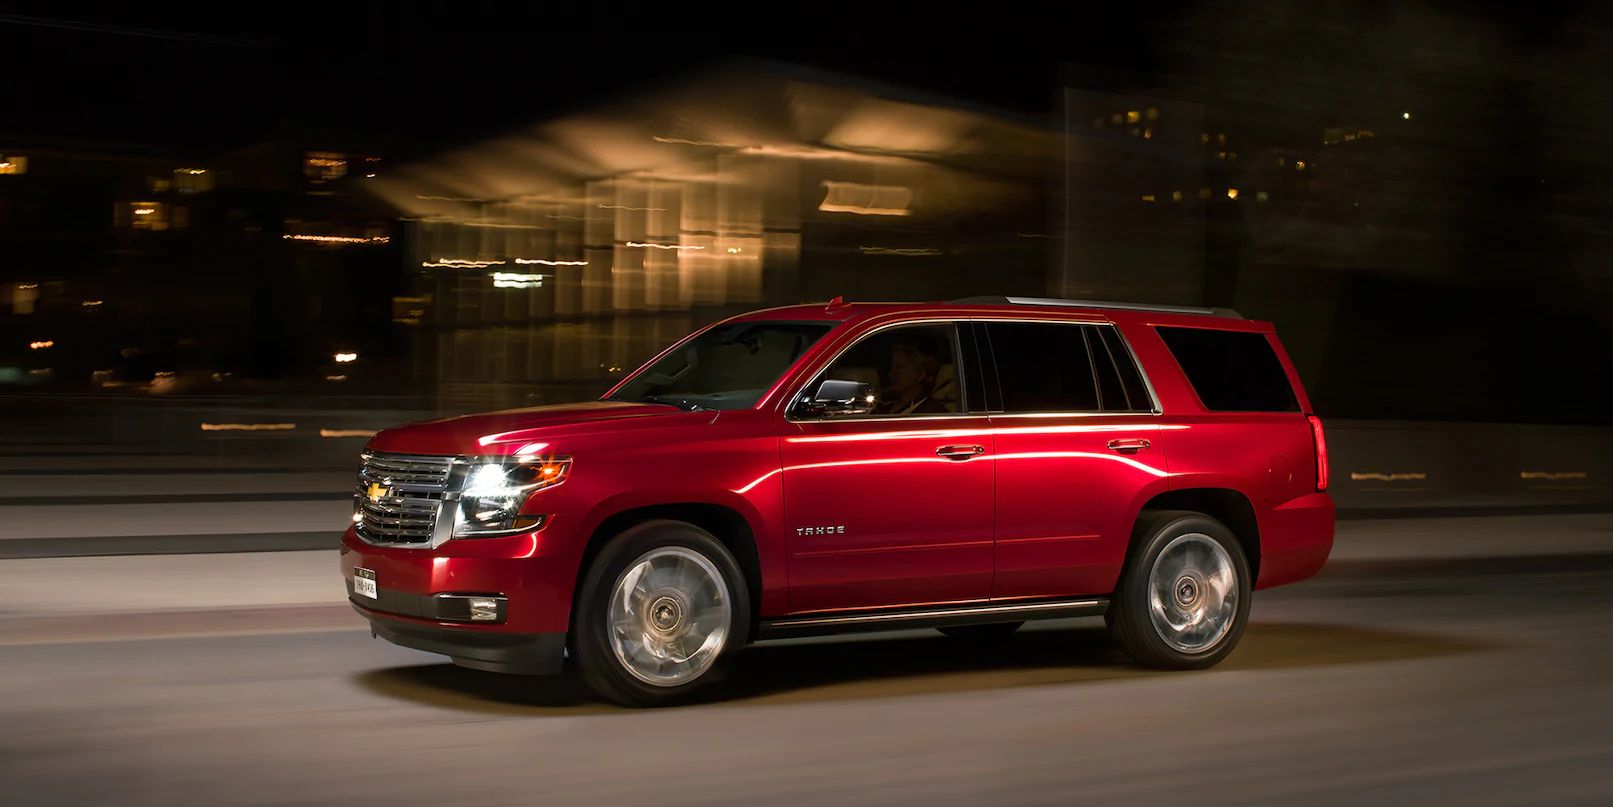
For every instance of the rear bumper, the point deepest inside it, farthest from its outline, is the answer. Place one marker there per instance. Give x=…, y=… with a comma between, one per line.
x=478, y=649
x=1295, y=540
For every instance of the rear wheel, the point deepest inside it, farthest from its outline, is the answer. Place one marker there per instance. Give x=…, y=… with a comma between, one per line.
x=996, y=631
x=1184, y=596
x=660, y=608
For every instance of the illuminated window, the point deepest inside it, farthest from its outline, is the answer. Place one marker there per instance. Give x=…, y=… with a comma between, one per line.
x=193, y=180
x=1132, y=116
x=158, y=184
x=867, y=200
x=13, y=164
x=1153, y=113
x=1221, y=139
x=23, y=298
x=1204, y=138
x=148, y=216
x=1176, y=196
x=319, y=167
x=1148, y=197
x=1116, y=118
x=1261, y=196
x=1232, y=193
x=1148, y=133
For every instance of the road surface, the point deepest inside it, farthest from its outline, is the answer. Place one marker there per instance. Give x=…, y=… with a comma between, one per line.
x=1450, y=660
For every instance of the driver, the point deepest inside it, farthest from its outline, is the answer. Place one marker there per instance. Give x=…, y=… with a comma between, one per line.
x=910, y=381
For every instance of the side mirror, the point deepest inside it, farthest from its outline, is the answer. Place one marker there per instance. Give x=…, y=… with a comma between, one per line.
x=835, y=397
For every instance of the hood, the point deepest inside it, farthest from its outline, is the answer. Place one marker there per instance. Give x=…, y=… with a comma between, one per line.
x=506, y=432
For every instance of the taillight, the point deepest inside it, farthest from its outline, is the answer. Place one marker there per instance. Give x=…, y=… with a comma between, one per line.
x=1321, y=451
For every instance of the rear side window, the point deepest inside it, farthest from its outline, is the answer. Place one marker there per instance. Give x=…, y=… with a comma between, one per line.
x=1131, y=380
x=1043, y=367
x=1120, y=389
x=1231, y=371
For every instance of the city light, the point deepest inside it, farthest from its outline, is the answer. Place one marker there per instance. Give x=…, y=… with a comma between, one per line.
x=91, y=303
x=248, y=427
x=542, y=262
x=336, y=239
x=41, y=345
x=1415, y=476
x=906, y=251
x=516, y=280
x=346, y=358
x=460, y=263
x=1232, y=193
x=1405, y=116
x=346, y=433
x=643, y=245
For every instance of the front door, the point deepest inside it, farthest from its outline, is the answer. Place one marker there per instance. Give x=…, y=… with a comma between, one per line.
x=893, y=507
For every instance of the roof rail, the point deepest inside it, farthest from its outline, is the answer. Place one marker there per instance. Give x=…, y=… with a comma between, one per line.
x=1167, y=309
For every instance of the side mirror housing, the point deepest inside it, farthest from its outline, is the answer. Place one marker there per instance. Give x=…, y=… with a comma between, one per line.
x=837, y=398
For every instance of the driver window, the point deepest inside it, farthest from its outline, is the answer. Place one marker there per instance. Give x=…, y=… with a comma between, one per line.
x=911, y=370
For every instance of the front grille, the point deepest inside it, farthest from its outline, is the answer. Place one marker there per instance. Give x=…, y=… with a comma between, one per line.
x=398, y=497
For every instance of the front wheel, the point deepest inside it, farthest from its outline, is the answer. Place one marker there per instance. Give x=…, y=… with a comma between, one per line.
x=660, y=607
x=1184, y=595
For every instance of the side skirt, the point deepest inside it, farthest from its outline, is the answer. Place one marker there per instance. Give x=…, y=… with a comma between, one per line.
x=929, y=617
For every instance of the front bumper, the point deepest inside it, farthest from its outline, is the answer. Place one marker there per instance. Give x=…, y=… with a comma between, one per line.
x=533, y=572
x=519, y=653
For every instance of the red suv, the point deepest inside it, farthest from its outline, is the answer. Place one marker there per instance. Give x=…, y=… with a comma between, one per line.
x=819, y=469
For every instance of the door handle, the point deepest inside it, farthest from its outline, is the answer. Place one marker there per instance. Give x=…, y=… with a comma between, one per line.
x=959, y=452
x=1128, y=446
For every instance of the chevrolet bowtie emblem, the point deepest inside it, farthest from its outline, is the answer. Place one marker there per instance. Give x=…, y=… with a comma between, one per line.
x=377, y=492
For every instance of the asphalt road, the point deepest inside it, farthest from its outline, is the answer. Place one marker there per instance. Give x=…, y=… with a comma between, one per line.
x=1478, y=680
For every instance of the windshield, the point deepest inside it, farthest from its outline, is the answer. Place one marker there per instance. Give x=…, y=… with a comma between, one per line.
x=727, y=367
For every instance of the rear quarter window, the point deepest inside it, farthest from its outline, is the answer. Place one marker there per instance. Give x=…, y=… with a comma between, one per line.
x=1232, y=371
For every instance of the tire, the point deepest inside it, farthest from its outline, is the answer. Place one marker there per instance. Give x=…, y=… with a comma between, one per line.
x=996, y=631
x=1170, y=610
x=684, y=606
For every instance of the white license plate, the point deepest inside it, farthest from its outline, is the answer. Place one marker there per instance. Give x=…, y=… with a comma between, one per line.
x=364, y=583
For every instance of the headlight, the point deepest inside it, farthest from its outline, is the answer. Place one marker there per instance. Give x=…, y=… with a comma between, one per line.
x=495, y=491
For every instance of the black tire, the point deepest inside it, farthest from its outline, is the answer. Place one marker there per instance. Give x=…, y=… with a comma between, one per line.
x=1129, y=616
x=590, y=640
x=994, y=632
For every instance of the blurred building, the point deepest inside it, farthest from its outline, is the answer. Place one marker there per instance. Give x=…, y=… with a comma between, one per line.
x=126, y=266
x=549, y=261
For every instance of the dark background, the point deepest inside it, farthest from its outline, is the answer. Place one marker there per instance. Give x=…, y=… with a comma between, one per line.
x=1469, y=280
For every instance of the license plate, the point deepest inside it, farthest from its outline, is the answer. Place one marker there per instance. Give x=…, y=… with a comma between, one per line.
x=364, y=583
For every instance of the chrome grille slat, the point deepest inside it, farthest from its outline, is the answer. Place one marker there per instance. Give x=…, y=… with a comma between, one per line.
x=407, y=514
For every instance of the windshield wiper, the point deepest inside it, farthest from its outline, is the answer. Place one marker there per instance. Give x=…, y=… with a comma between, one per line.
x=673, y=400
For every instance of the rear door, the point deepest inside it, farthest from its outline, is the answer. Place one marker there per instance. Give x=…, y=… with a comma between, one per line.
x=1077, y=443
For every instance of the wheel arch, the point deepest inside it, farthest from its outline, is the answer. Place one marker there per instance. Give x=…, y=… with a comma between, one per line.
x=1226, y=505
x=730, y=527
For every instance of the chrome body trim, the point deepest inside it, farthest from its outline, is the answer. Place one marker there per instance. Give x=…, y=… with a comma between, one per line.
x=941, y=616
x=1124, y=306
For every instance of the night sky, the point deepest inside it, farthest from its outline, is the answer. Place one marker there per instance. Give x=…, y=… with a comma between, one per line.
x=415, y=77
